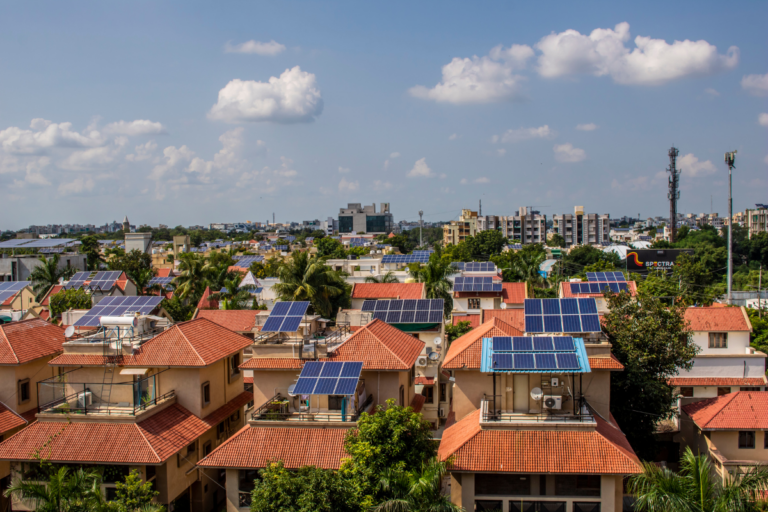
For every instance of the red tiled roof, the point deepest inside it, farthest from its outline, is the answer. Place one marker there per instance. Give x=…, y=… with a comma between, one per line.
x=718, y=319
x=514, y=317
x=9, y=419
x=238, y=320
x=228, y=409
x=602, y=451
x=21, y=342
x=418, y=402
x=465, y=351
x=388, y=291
x=164, y=272
x=273, y=363
x=605, y=363
x=53, y=291
x=380, y=347
x=566, y=292
x=427, y=381
x=717, y=381
x=474, y=320
x=247, y=380
x=151, y=441
x=743, y=410
x=240, y=270
x=514, y=293
x=254, y=447
x=205, y=302
x=194, y=343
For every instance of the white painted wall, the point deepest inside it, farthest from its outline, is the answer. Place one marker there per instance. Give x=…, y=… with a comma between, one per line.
x=738, y=343
x=462, y=304
x=735, y=367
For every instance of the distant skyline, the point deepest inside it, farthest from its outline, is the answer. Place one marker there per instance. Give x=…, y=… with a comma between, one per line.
x=191, y=113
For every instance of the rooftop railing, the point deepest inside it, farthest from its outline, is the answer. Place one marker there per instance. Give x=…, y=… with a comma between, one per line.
x=488, y=415
x=278, y=408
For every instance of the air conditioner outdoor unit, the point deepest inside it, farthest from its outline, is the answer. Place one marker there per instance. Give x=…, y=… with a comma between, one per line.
x=421, y=361
x=553, y=401
x=84, y=399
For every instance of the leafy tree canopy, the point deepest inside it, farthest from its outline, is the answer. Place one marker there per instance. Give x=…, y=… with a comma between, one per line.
x=308, y=489
x=457, y=331
x=70, y=299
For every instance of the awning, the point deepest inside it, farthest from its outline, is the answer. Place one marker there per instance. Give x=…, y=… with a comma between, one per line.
x=134, y=371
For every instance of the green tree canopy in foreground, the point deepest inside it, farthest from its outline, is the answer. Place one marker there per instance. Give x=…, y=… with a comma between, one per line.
x=70, y=299
x=309, y=278
x=48, y=274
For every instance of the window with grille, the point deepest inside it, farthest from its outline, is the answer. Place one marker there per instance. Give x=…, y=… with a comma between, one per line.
x=474, y=303
x=718, y=340
x=746, y=439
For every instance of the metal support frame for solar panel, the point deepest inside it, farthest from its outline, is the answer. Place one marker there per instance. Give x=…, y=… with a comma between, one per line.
x=104, y=280
x=571, y=315
x=118, y=306
x=328, y=378
x=285, y=317
x=548, y=354
x=406, y=311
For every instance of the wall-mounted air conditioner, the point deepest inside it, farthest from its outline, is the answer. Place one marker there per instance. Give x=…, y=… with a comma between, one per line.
x=84, y=399
x=552, y=402
x=421, y=361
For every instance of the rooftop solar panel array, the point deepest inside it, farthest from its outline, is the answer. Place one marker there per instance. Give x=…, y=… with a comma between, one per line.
x=422, y=253
x=405, y=258
x=515, y=247
x=475, y=266
x=33, y=243
x=285, y=317
x=410, y=311
x=118, y=306
x=561, y=315
x=165, y=282
x=77, y=280
x=10, y=288
x=104, y=280
x=546, y=353
x=476, y=284
x=328, y=378
x=605, y=277
x=247, y=261
x=598, y=287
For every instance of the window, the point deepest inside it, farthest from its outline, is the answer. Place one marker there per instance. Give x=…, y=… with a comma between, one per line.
x=686, y=391
x=482, y=505
x=234, y=363
x=191, y=449
x=402, y=396
x=206, y=392
x=23, y=391
x=151, y=472
x=334, y=402
x=490, y=484
x=429, y=393
x=474, y=304
x=207, y=448
x=718, y=340
x=746, y=439
x=577, y=485
x=221, y=428
x=749, y=388
x=235, y=416
x=723, y=391
x=443, y=392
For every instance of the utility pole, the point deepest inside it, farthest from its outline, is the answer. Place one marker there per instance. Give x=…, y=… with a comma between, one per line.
x=421, y=224
x=730, y=158
x=674, y=192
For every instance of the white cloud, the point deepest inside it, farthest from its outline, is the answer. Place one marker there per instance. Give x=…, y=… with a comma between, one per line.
x=651, y=62
x=482, y=180
x=443, y=176
x=480, y=79
x=453, y=136
x=587, y=127
x=379, y=185
x=567, y=153
x=257, y=47
x=291, y=98
x=421, y=170
x=763, y=119
x=134, y=128
x=344, y=170
x=45, y=134
x=348, y=186
x=512, y=136
x=90, y=159
x=463, y=181
x=142, y=152
x=691, y=166
x=757, y=85
x=501, y=152
x=394, y=155
x=712, y=92
x=77, y=186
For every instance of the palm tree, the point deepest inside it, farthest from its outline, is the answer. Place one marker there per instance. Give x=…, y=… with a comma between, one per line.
x=234, y=296
x=389, y=277
x=64, y=490
x=435, y=275
x=141, y=279
x=192, y=277
x=305, y=278
x=416, y=492
x=48, y=274
x=696, y=488
x=527, y=265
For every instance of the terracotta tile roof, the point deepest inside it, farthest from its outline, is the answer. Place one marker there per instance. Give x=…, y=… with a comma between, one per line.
x=716, y=381
x=195, y=343
x=418, y=402
x=513, y=293
x=388, y=291
x=605, y=363
x=718, y=319
x=238, y=320
x=427, y=381
x=205, y=302
x=474, y=320
x=228, y=409
x=164, y=272
x=53, y=291
x=743, y=410
x=380, y=347
x=465, y=351
x=513, y=317
x=21, y=342
x=602, y=451
x=30, y=416
x=240, y=270
x=9, y=419
x=565, y=290
x=247, y=380
x=151, y=441
x=273, y=363
x=254, y=447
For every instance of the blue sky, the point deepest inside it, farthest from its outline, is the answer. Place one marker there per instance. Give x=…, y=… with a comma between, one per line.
x=192, y=112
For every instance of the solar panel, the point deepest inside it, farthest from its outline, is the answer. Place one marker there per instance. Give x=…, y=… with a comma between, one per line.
x=328, y=378
x=567, y=362
x=405, y=258
x=118, y=306
x=502, y=344
x=247, y=261
x=528, y=353
x=406, y=311
x=543, y=344
x=524, y=362
x=503, y=361
x=161, y=281
x=606, y=276
x=479, y=266
x=10, y=288
x=285, y=316
x=561, y=315
x=476, y=284
x=546, y=362
x=104, y=280
x=522, y=344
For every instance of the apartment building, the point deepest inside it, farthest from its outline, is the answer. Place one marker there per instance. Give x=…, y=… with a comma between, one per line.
x=582, y=228
x=129, y=398
x=527, y=439
x=364, y=219
x=757, y=219
x=458, y=230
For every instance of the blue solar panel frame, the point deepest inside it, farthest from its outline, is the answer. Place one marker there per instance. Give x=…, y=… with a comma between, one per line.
x=476, y=284
x=405, y=258
x=546, y=354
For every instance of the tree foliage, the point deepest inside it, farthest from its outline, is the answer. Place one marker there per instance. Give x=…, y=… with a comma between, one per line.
x=133, y=495
x=92, y=249
x=307, y=489
x=70, y=299
x=132, y=263
x=457, y=331
x=48, y=274
x=434, y=274
x=415, y=491
x=310, y=279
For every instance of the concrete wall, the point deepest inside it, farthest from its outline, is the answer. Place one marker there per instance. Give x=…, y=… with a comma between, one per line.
x=734, y=366
x=738, y=343
x=20, y=267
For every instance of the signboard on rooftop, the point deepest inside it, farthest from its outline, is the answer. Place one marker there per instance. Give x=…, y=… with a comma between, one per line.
x=644, y=260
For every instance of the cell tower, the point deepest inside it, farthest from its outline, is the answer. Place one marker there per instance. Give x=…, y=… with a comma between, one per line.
x=674, y=192
x=480, y=209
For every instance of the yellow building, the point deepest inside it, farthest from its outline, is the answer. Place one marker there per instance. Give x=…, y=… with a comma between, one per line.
x=458, y=230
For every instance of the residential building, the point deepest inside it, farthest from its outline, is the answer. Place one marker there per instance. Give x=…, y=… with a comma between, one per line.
x=532, y=439
x=122, y=286
x=567, y=290
x=384, y=291
x=356, y=218
x=19, y=268
x=470, y=295
x=458, y=230
x=16, y=300
x=527, y=227
x=582, y=229
x=757, y=219
x=129, y=398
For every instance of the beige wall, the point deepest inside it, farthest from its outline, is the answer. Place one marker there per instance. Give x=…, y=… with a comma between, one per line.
x=468, y=391
x=727, y=443
x=10, y=376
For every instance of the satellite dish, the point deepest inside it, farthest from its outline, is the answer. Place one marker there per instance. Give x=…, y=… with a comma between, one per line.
x=434, y=356
x=503, y=305
x=438, y=340
x=69, y=331
x=537, y=394
x=290, y=390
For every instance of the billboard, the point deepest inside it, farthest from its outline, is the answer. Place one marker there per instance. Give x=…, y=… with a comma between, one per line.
x=643, y=260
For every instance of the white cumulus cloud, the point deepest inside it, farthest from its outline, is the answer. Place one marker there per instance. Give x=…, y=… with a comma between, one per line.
x=587, y=127
x=566, y=153
x=348, y=186
x=257, y=47
x=379, y=185
x=453, y=136
x=293, y=97
x=512, y=136
x=77, y=186
x=763, y=119
x=394, y=155
x=757, y=85
x=134, y=128
x=421, y=170
x=691, y=166
x=142, y=152
x=344, y=170
x=46, y=134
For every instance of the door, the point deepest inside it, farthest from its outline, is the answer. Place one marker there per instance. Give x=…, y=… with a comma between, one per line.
x=520, y=391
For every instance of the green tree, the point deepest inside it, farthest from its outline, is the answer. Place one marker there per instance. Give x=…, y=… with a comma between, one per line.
x=48, y=274
x=457, y=331
x=92, y=249
x=653, y=342
x=526, y=265
x=309, y=278
x=556, y=240
x=132, y=263
x=416, y=491
x=434, y=274
x=180, y=310
x=327, y=247
x=388, y=277
x=402, y=242
x=70, y=299
x=60, y=489
x=134, y=495
x=191, y=281
x=307, y=489
x=696, y=488
x=141, y=279
x=485, y=244
x=234, y=296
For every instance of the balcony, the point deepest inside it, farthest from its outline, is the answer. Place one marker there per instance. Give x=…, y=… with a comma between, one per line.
x=581, y=418
x=281, y=408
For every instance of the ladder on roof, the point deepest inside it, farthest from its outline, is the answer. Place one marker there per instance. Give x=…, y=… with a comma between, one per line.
x=111, y=357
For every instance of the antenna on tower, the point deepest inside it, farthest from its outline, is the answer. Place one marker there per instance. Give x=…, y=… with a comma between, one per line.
x=674, y=192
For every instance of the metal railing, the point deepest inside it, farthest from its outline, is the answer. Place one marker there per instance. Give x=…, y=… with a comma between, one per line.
x=277, y=408
x=552, y=416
